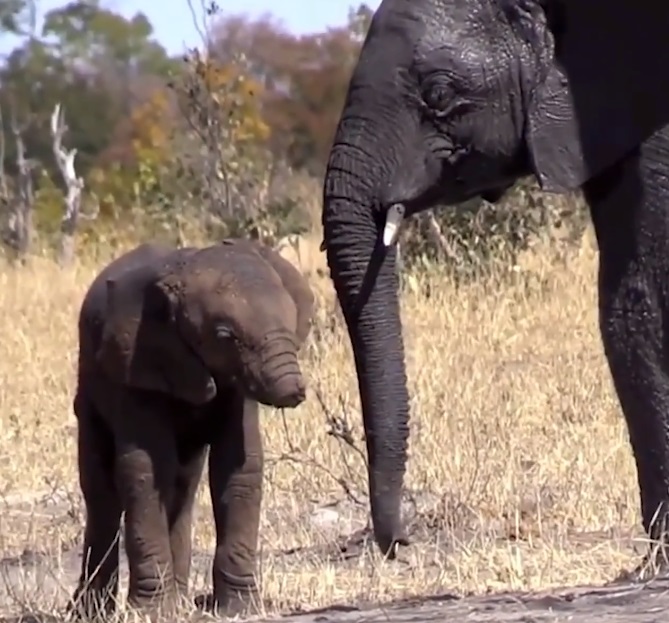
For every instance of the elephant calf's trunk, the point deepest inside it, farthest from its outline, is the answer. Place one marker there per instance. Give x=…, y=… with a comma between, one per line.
x=282, y=380
x=289, y=392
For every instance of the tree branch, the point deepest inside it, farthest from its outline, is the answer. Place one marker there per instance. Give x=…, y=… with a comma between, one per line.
x=74, y=183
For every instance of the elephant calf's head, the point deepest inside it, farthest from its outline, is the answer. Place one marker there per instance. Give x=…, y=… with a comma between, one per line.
x=246, y=311
x=193, y=321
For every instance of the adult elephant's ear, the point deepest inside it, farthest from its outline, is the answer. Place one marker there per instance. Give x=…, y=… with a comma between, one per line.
x=297, y=286
x=601, y=91
x=140, y=345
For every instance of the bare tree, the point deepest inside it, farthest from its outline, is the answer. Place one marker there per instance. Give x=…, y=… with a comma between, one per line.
x=74, y=184
x=233, y=176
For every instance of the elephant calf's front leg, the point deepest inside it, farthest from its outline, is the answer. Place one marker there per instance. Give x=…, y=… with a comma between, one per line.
x=146, y=467
x=235, y=479
x=181, y=518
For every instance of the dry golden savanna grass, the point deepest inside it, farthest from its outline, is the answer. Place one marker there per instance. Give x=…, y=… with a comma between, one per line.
x=519, y=459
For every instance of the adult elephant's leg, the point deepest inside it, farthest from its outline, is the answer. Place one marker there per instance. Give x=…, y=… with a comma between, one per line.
x=630, y=209
x=181, y=518
x=235, y=481
x=98, y=582
x=146, y=469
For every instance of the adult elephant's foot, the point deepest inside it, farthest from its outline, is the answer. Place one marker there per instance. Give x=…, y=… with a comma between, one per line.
x=654, y=564
x=232, y=601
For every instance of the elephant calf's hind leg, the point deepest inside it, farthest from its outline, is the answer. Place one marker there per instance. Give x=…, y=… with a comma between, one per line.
x=98, y=583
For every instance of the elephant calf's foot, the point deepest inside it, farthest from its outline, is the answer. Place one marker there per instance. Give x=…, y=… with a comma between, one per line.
x=158, y=604
x=231, y=601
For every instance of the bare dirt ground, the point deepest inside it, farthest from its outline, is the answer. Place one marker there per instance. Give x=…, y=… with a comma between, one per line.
x=620, y=604
x=520, y=477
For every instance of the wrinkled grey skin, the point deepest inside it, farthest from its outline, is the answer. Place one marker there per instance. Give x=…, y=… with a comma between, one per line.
x=453, y=99
x=176, y=349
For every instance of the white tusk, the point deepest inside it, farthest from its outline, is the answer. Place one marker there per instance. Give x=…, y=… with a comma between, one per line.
x=394, y=218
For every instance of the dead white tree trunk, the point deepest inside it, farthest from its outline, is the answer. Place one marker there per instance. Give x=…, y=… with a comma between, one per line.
x=74, y=184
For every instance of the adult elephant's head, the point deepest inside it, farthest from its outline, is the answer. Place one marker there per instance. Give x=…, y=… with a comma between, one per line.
x=453, y=99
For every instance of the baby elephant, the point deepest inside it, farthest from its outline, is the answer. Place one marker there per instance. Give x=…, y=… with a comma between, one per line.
x=176, y=349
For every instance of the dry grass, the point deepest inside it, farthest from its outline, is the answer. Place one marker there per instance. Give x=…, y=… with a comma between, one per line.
x=519, y=459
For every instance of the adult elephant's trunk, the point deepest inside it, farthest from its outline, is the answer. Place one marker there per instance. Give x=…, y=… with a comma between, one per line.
x=364, y=276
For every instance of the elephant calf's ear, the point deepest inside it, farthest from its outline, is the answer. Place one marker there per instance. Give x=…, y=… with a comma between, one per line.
x=297, y=286
x=161, y=299
x=119, y=332
x=141, y=346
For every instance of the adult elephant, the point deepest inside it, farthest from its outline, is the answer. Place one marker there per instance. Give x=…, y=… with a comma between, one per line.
x=452, y=99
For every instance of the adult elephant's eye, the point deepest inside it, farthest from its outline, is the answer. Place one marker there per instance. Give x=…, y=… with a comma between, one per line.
x=437, y=93
x=436, y=98
x=445, y=104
